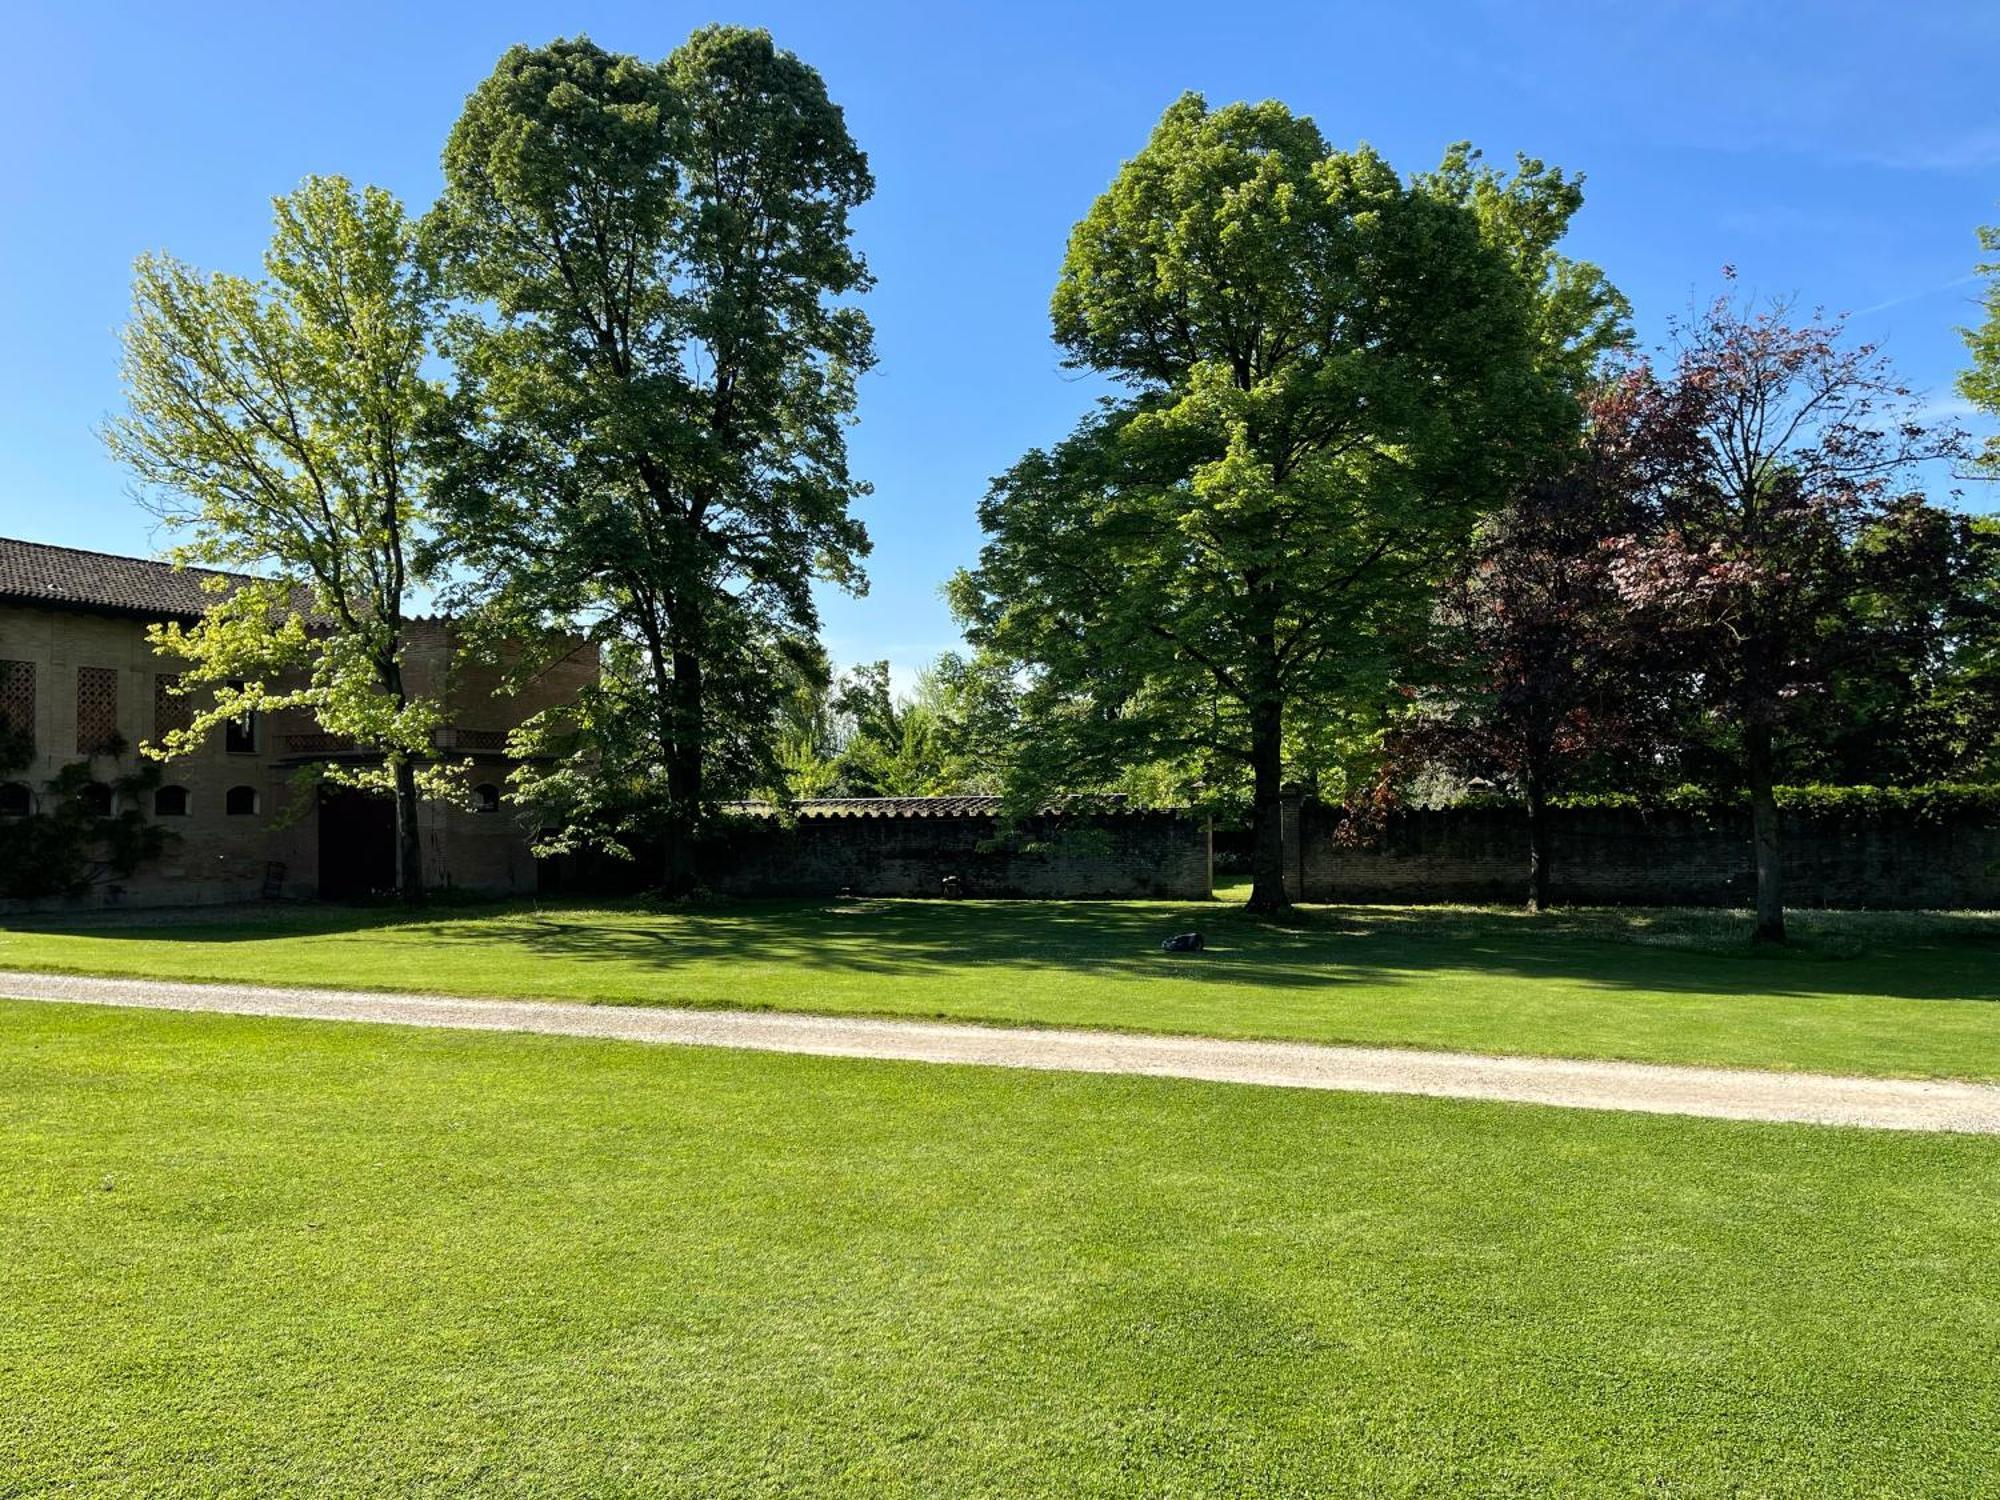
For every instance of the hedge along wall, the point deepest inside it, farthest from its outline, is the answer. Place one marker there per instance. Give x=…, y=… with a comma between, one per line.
x=1875, y=857
x=1136, y=854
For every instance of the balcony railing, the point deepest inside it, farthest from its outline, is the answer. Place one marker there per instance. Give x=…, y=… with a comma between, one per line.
x=452, y=737
x=447, y=737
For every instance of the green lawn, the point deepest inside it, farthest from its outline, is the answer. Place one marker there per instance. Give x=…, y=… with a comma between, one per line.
x=1861, y=993
x=247, y=1256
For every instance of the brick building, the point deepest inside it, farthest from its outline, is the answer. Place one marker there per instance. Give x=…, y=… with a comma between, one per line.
x=77, y=674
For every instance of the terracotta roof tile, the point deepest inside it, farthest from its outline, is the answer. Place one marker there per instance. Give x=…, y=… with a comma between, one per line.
x=35, y=573
x=901, y=807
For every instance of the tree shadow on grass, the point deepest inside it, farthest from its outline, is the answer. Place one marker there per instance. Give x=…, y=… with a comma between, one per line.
x=1932, y=956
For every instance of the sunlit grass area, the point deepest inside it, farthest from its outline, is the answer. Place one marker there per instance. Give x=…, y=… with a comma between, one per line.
x=263, y=1257
x=1890, y=993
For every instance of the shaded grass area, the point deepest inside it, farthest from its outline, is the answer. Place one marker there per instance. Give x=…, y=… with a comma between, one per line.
x=1859, y=992
x=249, y=1256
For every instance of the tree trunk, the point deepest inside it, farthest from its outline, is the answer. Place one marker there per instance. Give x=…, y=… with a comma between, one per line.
x=684, y=774
x=1267, y=760
x=409, y=837
x=1538, y=838
x=403, y=773
x=1764, y=835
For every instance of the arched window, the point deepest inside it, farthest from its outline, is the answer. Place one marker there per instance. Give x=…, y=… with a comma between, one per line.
x=16, y=801
x=240, y=802
x=97, y=799
x=170, y=802
x=486, y=798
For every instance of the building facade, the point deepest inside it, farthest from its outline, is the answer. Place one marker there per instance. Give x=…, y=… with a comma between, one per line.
x=80, y=683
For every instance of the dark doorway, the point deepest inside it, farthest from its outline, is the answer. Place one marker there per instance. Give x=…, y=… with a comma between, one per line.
x=357, y=844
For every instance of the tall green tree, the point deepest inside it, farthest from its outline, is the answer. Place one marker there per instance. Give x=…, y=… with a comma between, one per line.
x=1979, y=383
x=1972, y=697
x=1915, y=691
x=1578, y=317
x=1328, y=372
x=276, y=423
x=657, y=368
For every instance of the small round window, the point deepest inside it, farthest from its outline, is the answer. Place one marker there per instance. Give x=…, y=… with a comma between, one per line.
x=241, y=802
x=486, y=797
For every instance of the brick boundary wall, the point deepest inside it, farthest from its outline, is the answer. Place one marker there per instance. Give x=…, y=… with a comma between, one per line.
x=1621, y=856
x=1163, y=855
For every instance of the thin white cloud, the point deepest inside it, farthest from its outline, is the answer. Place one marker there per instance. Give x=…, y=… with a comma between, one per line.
x=1929, y=291
x=1942, y=407
x=1966, y=153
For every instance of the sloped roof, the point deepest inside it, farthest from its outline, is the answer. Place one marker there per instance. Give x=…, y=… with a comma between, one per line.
x=36, y=573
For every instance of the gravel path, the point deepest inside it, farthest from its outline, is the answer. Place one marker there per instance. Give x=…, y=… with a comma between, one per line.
x=1722, y=1093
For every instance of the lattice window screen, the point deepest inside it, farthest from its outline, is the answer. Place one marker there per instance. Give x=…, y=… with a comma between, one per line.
x=171, y=710
x=17, y=696
x=96, y=709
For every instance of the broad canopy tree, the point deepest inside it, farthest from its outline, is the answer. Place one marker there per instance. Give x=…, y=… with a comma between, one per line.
x=1776, y=446
x=1917, y=695
x=657, y=355
x=1724, y=581
x=278, y=424
x=1532, y=671
x=1328, y=372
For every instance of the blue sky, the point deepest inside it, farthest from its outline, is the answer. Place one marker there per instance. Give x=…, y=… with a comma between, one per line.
x=1843, y=153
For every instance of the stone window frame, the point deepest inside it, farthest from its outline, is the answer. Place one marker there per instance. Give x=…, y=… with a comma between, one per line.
x=163, y=794
x=236, y=796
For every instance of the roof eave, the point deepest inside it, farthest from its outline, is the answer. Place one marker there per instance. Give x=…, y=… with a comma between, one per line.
x=88, y=607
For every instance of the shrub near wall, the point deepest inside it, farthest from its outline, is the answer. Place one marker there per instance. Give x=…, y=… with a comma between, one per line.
x=1930, y=847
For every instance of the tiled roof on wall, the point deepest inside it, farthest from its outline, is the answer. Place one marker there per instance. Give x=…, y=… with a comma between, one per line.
x=35, y=573
x=903, y=807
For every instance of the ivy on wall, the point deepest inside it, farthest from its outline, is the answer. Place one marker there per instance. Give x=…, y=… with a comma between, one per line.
x=1935, y=802
x=85, y=833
